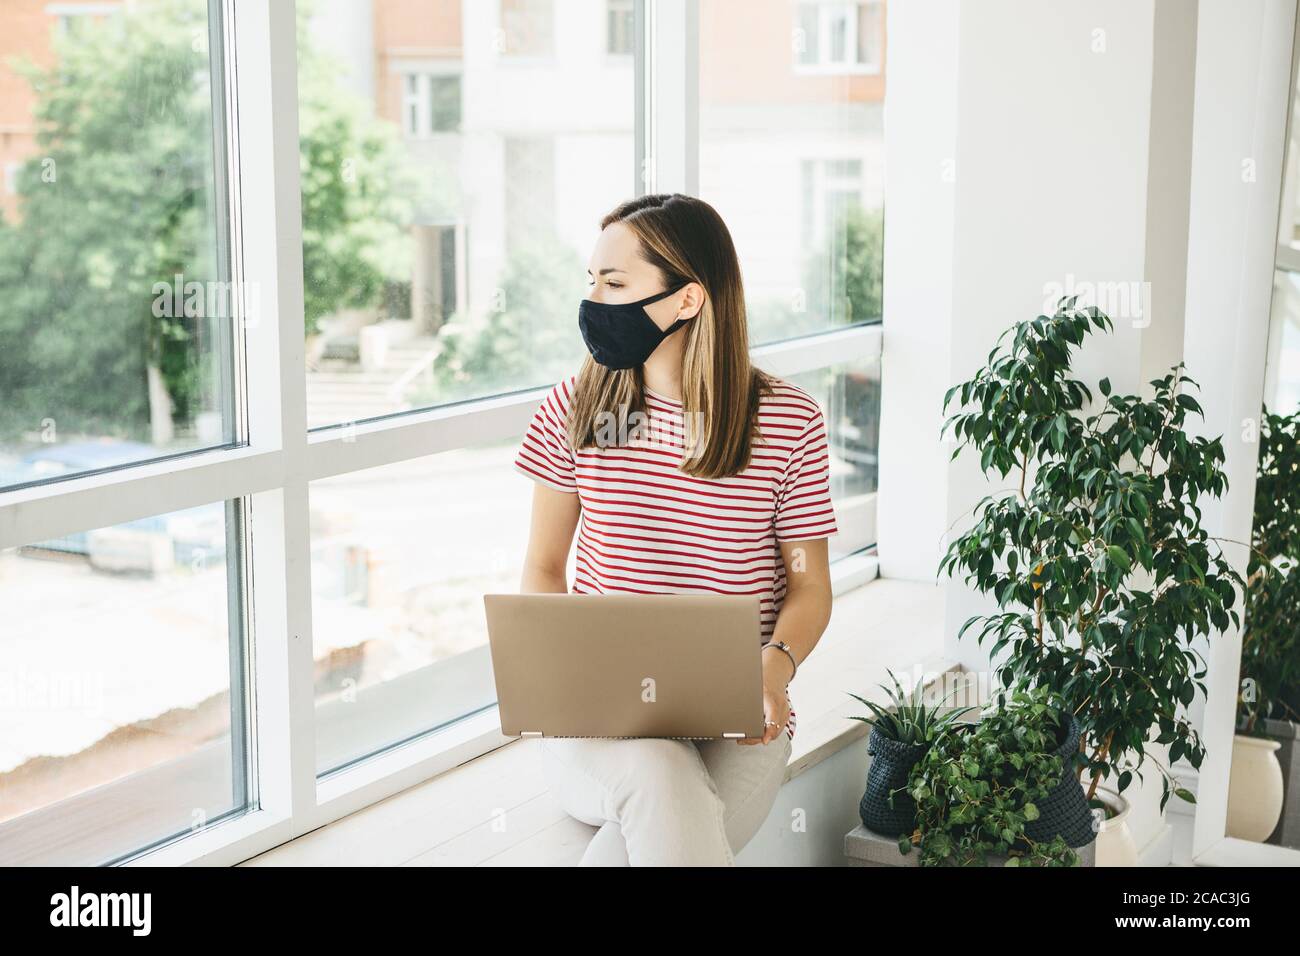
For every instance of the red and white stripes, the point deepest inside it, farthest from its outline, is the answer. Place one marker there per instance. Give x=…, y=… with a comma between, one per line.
x=649, y=528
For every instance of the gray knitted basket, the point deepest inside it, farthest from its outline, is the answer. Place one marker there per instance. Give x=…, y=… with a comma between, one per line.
x=1065, y=810
x=891, y=765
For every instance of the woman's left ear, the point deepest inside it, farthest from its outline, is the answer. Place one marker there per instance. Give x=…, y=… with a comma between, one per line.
x=693, y=301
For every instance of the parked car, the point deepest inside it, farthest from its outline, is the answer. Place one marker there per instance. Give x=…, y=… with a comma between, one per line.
x=189, y=537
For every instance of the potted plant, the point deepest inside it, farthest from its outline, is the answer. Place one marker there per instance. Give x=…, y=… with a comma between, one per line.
x=901, y=732
x=1103, y=575
x=980, y=787
x=1268, y=732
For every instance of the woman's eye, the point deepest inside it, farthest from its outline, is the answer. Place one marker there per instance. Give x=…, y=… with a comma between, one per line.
x=614, y=285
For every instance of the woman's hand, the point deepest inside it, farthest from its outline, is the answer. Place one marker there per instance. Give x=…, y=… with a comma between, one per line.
x=777, y=671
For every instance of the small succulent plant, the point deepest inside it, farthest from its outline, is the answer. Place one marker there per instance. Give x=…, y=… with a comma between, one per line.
x=908, y=718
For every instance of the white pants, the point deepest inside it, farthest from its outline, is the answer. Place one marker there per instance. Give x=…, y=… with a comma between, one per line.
x=662, y=802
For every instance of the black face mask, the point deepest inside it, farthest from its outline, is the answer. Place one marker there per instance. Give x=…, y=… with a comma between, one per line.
x=623, y=335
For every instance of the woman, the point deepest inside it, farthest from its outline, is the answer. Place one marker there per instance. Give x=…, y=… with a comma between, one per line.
x=689, y=471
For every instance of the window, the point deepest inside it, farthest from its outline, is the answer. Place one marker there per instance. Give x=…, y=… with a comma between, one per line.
x=484, y=238
x=205, y=505
x=430, y=104
x=401, y=558
x=813, y=147
x=837, y=37
x=849, y=394
x=445, y=268
x=127, y=696
x=122, y=691
x=1282, y=385
x=527, y=28
x=73, y=18
x=620, y=27
x=117, y=273
x=1282, y=373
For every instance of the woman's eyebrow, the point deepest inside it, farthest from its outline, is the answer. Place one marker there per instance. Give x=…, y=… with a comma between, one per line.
x=606, y=272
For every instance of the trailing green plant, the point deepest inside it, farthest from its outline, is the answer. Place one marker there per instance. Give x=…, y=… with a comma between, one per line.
x=1270, y=639
x=1102, y=573
x=907, y=717
x=979, y=784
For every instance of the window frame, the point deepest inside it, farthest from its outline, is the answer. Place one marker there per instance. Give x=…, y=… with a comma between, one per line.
x=278, y=457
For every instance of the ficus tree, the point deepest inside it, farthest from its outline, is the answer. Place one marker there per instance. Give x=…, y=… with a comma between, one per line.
x=1103, y=574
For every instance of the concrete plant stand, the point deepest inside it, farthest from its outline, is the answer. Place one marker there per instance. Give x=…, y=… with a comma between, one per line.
x=864, y=848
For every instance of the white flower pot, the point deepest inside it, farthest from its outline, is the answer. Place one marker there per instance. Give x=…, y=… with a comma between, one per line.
x=1115, y=845
x=1254, y=788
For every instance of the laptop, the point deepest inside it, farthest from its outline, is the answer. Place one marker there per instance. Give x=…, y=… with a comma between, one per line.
x=635, y=665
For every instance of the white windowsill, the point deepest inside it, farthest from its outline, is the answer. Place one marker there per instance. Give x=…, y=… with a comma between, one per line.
x=495, y=809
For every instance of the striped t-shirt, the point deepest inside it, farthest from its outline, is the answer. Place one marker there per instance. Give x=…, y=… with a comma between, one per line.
x=648, y=528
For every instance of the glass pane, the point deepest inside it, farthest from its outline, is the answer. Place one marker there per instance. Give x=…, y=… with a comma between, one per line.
x=450, y=267
x=807, y=39
x=444, y=103
x=770, y=127
x=401, y=558
x=1289, y=220
x=870, y=26
x=849, y=395
x=1282, y=381
x=113, y=261
x=837, y=26
x=122, y=727
x=621, y=27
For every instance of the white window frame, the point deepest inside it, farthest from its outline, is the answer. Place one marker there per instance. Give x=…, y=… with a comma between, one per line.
x=273, y=471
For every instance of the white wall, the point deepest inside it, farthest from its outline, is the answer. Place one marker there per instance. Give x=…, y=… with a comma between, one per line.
x=812, y=814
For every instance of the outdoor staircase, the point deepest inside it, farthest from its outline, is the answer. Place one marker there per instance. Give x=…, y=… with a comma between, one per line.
x=339, y=390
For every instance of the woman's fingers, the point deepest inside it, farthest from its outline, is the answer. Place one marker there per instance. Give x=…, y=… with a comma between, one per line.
x=776, y=714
